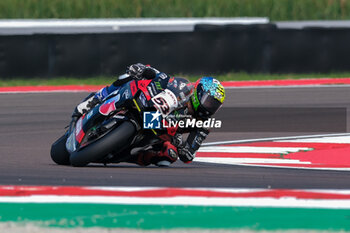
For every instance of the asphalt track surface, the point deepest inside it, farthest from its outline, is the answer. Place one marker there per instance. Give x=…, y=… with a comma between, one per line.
x=30, y=122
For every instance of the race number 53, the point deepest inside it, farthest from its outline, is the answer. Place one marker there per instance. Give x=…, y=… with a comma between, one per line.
x=165, y=102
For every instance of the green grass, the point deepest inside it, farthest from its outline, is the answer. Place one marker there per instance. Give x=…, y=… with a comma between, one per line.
x=101, y=80
x=174, y=217
x=274, y=9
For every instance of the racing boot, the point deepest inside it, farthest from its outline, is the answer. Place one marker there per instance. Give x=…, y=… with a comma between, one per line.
x=163, y=158
x=88, y=103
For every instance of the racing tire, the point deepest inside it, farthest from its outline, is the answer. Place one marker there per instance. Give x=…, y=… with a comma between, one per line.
x=115, y=141
x=59, y=153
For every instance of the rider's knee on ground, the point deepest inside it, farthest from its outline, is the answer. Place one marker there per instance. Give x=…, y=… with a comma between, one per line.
x=168, y=153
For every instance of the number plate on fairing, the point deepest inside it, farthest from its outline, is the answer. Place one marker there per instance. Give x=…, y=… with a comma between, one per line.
x=165, y=102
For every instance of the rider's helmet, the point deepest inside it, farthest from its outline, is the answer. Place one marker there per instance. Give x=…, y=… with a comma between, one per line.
x=208, y=96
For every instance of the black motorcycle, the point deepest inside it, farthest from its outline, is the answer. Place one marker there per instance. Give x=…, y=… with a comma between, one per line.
x=115, y=130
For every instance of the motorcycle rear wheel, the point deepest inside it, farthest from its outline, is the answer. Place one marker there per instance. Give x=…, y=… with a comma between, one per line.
x=115, y=141
x=59, y=153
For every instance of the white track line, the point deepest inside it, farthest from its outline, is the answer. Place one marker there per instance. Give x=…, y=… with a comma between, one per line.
x=239, y=161
x=272, y=139
x=253, y=149
x=338, y=139
x=300, y=166
x=289, y=202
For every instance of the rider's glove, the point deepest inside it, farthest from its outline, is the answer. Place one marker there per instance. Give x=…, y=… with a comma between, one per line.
x=176, y=140
x=136, y=70
x=186, y=154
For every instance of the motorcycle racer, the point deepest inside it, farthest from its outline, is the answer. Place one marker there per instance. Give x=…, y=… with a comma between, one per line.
x=207, y=98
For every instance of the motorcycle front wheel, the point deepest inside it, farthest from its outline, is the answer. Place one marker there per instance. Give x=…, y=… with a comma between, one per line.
x=115, y=140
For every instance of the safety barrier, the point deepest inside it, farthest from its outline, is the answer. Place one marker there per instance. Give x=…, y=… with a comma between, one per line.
x=208, y=49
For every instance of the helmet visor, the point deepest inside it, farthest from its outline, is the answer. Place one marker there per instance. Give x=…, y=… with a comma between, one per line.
x=209, y=104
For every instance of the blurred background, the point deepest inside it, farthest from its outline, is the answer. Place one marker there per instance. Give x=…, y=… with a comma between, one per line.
x=233, y=39
x=275, y=10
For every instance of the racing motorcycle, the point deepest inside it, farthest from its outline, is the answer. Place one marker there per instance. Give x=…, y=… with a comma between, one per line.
x=113, y=131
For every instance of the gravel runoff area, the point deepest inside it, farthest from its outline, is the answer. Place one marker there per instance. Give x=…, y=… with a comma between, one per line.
x=16, y=228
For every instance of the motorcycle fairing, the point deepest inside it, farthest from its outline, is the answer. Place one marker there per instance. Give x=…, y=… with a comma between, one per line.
x=142, y=85
x=76, y=136
x=109, y=105
x=79, y=132
x=133, y=87
x=80, y=129
x=104, y=117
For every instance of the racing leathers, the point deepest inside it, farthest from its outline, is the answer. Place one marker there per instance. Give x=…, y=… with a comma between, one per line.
x=173, y=147
x=134, y=72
